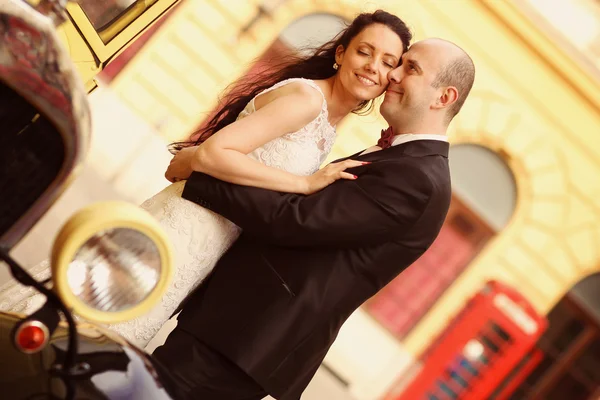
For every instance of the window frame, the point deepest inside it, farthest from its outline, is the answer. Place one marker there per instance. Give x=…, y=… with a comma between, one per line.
x=131, y=23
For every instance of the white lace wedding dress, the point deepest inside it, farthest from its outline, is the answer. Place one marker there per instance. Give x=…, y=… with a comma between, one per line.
x=199, y=236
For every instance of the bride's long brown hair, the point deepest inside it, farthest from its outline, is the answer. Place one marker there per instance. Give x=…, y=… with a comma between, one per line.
x=317, y=66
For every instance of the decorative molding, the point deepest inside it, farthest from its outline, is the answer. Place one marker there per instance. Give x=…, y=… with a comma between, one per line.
x=571, y=70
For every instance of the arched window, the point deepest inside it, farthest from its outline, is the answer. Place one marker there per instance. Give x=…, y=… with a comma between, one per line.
x=311, y=31
x=303, y=34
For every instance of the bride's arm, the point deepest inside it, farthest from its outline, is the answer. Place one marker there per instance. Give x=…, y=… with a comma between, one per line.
x=224, y=155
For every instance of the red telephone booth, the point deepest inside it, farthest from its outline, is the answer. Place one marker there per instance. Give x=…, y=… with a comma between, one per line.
x=492, y=339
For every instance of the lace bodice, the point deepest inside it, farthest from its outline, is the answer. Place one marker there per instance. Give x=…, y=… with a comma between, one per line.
x=300, y=152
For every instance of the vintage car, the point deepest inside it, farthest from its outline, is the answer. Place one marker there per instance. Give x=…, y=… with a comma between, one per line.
x=110, y=262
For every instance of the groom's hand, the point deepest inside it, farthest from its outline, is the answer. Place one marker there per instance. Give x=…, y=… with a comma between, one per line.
x=180, y=167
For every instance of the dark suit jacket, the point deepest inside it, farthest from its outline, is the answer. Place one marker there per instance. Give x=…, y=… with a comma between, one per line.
x=276, y=300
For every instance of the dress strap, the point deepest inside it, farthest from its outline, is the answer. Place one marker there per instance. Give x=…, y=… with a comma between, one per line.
x=284, y=82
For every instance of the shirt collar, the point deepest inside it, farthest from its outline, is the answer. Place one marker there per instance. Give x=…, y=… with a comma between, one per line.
x=409, y=137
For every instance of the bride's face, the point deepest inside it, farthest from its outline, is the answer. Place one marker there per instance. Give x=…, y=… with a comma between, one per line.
x=365, y=64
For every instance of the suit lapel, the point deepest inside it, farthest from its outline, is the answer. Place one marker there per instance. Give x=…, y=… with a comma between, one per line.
x=415, y=148
x=424, y=148
x=353, y=156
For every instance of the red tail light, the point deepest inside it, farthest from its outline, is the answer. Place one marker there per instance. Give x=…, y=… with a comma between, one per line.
x=31, y=337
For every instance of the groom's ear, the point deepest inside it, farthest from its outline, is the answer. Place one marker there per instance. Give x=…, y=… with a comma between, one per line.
x=339, y=54
x=446, y=97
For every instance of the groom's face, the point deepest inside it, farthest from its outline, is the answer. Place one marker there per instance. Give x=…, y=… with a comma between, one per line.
x=410, y=94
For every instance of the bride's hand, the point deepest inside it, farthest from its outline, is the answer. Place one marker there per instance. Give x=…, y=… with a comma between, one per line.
x=180, y=167
x=329, y=174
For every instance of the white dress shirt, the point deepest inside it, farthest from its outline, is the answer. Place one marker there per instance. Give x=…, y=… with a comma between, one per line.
x=409, y=137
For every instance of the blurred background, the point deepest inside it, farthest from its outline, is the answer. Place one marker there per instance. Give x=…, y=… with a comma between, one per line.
x=506, y=303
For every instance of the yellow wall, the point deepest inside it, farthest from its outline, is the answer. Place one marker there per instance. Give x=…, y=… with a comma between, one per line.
x=176, y=78
x=530, y=103
x=543, y=113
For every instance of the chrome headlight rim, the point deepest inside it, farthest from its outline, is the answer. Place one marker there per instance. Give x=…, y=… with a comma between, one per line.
x=90, y=221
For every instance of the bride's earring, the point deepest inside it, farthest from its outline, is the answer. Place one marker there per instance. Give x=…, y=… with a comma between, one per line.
x=335, y=66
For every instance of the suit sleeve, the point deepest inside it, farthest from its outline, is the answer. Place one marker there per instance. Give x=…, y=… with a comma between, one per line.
x=345, y=213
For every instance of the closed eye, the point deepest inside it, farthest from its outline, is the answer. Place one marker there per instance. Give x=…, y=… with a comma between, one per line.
x=413, y=66
x=390, y=62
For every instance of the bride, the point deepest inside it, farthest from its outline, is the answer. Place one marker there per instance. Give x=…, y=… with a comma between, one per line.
x=273, y=132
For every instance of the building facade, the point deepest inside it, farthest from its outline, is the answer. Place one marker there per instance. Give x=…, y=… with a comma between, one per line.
x=535, y=108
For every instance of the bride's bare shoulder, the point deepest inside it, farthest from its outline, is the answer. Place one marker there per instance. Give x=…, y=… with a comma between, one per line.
x=299, y=89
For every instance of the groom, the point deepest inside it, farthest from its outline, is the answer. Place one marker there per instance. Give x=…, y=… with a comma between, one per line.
x=263, y=321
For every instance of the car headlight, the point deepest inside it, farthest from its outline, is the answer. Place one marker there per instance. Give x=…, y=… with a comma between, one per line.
x=111, y=262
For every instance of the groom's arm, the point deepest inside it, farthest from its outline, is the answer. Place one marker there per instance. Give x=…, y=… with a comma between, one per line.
x=356, y=212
